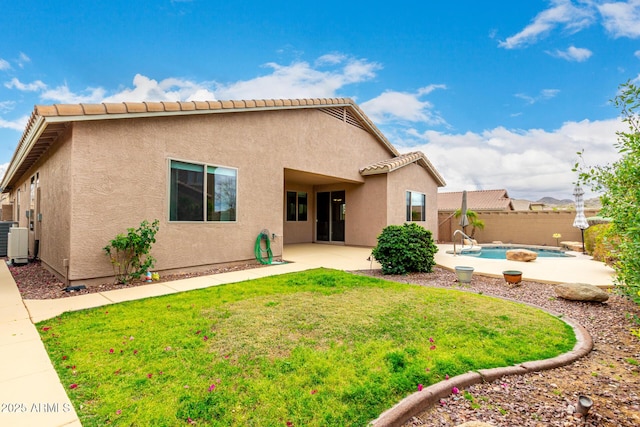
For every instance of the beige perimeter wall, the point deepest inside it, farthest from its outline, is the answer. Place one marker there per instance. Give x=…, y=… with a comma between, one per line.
x=523, y=227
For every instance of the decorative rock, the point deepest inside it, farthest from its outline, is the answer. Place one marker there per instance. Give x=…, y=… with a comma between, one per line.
x=475, y=424
x=521, y=255
x=581, y=292
x=572, y=246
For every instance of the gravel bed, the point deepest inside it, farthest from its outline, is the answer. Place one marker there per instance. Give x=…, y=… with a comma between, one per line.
x=609, y=375
x=36, y=282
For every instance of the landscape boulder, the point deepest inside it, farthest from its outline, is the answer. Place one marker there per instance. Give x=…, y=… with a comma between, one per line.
x=521, y=255
x=581, y=292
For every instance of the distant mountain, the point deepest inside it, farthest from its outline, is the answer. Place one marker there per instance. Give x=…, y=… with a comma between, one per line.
x=551, y=203
x=554, y=201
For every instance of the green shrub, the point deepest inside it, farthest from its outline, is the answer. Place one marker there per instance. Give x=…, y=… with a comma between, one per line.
x=600, y=243
x=129, y=253
x=404, y=249
x=618, y=182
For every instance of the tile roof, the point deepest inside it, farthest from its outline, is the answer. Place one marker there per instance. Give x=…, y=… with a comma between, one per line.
x=390, y=165
x=77, y=110
x=483, y=200
x=47, y=122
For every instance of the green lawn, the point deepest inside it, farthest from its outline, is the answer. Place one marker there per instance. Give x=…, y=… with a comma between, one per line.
x=321, y=347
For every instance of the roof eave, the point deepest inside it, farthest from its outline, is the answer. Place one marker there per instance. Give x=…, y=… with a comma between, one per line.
x=36, y=126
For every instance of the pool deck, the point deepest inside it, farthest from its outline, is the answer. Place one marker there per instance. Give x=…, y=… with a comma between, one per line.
x=578, y=268
x=31, y=392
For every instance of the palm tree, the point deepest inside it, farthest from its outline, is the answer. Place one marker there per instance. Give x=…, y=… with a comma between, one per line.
x=474, y=222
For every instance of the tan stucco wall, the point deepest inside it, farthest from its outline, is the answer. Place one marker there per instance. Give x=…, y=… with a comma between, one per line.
x=299, y=231
x=522, y=227
x=55, y=181
x=366, y=210
x=416, y=179
x=120, y=177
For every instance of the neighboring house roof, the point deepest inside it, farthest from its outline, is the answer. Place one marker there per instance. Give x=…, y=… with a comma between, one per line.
x=47, y=122
x=390, y=165
x=483, y=200
x=521, y=205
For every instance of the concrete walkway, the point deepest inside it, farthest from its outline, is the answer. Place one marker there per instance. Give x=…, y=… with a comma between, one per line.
x=31, y=393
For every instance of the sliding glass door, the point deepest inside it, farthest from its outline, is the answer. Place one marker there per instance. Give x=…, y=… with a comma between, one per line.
x=330, y=216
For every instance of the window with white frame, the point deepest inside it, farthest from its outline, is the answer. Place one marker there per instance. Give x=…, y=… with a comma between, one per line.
x=199, y=192
x=296, y=206
x=416, y=206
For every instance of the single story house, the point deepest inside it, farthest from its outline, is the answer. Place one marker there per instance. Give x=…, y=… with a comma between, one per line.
x=214, y=174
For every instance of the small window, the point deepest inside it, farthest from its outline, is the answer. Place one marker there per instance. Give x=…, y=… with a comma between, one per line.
x=291, y=206
x=302, y=206
x=416, y=206
x=296, y=206
x=196, y=197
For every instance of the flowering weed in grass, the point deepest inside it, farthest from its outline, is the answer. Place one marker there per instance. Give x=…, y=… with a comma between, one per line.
x=315, y=348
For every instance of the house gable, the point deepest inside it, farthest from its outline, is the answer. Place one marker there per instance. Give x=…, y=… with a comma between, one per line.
x=400, y=161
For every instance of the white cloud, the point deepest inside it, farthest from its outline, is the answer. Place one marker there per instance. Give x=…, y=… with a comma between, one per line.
x=298, y=80
x=6, y=106
x=4, y=65
x=529, y=164
x=544, y=95
x=301, y=80
x=392, y=106
x=562, y=13
x=63, y=95
x=3, y=168
x=170, y=89
x=637, y=54
x=18, y=124
x=621, y=18
x=576, y=54
x=25, y=87
x=23, y=59
x=330, y=59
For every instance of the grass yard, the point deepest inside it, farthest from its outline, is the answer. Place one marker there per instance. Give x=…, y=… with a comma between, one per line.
x=321, y=347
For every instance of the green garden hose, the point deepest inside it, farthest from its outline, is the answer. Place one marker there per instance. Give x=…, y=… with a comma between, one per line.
x=264, y=235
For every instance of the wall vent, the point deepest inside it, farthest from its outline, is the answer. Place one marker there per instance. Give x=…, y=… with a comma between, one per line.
x=345, y=115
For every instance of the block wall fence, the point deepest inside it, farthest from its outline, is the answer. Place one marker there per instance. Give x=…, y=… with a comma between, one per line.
x=522, y=227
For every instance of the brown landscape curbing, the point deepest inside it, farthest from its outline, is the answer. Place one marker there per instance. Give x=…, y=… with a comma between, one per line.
x=420, y=401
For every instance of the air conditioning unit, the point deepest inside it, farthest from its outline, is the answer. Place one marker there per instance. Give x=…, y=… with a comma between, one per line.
x=18, y=245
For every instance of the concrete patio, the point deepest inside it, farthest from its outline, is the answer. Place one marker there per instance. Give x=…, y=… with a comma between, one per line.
x=31, y=392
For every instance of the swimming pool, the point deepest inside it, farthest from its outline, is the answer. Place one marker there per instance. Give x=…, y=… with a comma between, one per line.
x=500, y=252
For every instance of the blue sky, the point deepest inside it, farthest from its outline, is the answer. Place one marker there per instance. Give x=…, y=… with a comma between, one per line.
x=498, y=94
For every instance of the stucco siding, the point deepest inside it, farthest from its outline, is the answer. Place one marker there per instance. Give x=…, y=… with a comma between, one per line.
x=299, y=231
x=366, y=210
x=55, y=182
x=416, y=179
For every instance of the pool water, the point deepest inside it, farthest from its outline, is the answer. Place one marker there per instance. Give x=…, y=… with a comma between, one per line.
x=501, y=253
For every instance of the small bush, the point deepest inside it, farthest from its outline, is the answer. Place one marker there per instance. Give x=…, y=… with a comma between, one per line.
x=129, y=253
x=600, y=243
x=404, y=249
